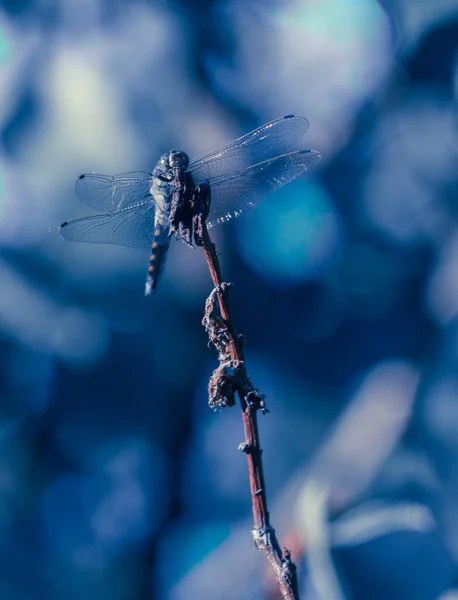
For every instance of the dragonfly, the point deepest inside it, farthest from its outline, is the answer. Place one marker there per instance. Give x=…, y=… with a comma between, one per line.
x=142, y=209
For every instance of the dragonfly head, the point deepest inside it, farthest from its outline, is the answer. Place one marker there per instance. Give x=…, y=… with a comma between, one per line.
x=178, y=158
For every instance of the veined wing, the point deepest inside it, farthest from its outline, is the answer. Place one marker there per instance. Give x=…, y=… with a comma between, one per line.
x=108, y=193
x=234, y=194
x=268, y=141
x=131, y=226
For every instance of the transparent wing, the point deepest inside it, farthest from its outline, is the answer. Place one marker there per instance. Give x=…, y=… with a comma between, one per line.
x=272, y=139
x=232, y=195
x=132, y=226
x=108, y=193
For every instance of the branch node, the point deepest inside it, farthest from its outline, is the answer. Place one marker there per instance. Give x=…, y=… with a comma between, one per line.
x=245, y=447
x=224, y=287
x=263, y=407
x=255, y=401
x=262, y=537
x=286, y=555
x=288, y=569
x=266, y=542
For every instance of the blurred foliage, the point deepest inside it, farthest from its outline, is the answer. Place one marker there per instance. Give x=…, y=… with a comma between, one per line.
x=116, y=481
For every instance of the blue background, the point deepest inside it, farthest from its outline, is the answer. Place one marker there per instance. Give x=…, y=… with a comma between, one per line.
x=116, y=479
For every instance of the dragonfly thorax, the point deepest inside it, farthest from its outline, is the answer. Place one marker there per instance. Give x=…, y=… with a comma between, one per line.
x=163, y=176
x=161, y=183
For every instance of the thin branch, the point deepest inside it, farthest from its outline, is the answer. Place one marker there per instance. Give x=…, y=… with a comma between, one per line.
x=229, y=379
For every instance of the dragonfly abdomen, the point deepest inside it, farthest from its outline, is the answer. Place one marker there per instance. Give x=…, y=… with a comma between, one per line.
x=156, y=261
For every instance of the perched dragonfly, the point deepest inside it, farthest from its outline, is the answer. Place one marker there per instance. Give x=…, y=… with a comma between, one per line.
x=144, y=209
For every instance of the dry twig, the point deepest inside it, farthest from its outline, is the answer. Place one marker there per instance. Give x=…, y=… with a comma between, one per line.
x=231, y=378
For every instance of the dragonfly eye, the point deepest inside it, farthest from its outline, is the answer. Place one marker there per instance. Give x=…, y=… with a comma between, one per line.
x=177, y=158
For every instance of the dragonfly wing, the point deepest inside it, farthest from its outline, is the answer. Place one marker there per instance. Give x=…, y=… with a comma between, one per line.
x=272, y=139
x=234, y=194
x=108, y=193
x=133, y=226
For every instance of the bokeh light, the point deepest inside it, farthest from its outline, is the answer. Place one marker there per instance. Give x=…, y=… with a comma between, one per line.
x=292, y=237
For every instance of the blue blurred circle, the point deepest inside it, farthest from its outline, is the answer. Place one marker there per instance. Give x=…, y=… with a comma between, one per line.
x=292, y=236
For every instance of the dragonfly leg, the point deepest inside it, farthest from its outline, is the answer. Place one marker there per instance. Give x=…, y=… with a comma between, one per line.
x=201, y=207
